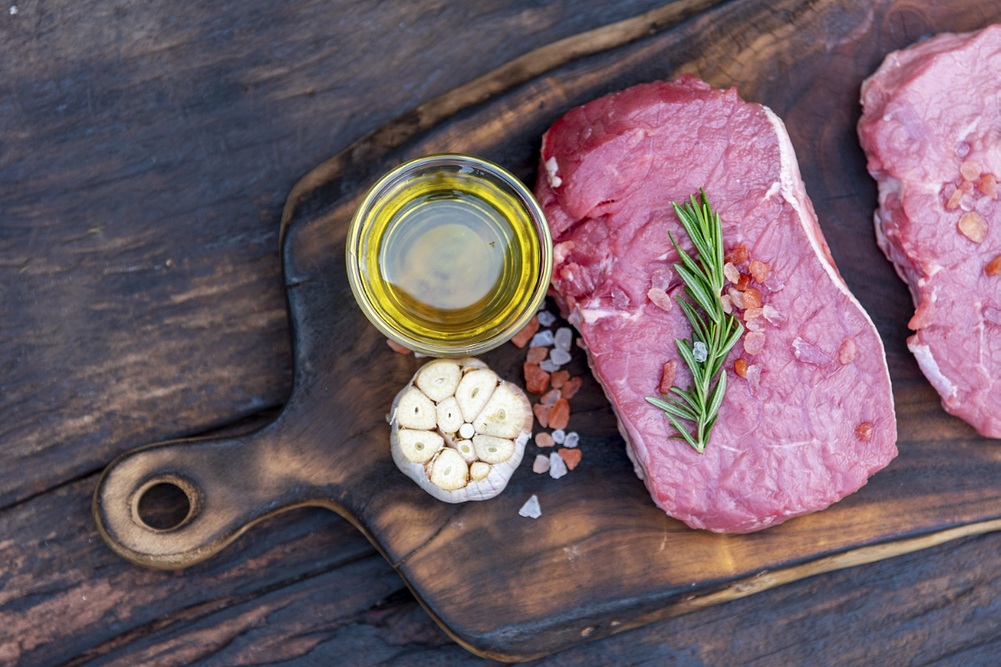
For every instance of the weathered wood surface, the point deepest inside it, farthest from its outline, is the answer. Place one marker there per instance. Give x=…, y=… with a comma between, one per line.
x=130, y=137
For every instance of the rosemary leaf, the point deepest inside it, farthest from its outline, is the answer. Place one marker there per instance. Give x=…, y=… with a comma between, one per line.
x=714, y=329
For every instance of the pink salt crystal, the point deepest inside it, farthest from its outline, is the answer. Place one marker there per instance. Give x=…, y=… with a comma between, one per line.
x=536, y=355
x=809, y=353
x=559, y=414
x=754, y=342
x=570, y=456
x=667, y=377
x=550, y=397
x=973, y=226
x=541, y=414
x=731, y=273
x=541, y=464
x=736, y=298
x=571, y=387
x=773, y=316
x=989, y=185
x=759, y=271
x=953, y=202
x=754, y=378
x=970, y=170
x=544, y=440
x=661, y=279
x=660, y=299
x=557, y=379
x=849, y=348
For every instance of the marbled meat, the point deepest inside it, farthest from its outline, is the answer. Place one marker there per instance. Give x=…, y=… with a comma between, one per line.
x=812, y=418
x=931, y=129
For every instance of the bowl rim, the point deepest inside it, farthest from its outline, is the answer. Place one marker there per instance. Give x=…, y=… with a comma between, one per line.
x=361, y=220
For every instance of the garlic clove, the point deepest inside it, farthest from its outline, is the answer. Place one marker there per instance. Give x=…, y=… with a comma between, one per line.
x=419, y=446
x=416, y=411
x=492, y=449
x=439, y=379
x=449, y=415
x=503, y=416
x=465, y=448
x=479, y=470
x=475, y=479
x=474, y=391
x=449, y=471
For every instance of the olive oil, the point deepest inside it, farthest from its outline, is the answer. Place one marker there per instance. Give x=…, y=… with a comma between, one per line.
x=447, y=263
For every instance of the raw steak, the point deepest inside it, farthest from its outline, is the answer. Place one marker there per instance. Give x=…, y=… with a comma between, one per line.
x=814, y=416
x=931, y=128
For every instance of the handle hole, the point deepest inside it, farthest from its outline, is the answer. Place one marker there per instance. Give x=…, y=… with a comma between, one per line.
x=163, y=506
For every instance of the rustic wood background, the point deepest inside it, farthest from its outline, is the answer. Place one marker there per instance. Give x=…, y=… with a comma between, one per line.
x=145, y=155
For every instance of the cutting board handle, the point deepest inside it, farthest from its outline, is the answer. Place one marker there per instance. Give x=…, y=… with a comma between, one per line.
x=230, y=484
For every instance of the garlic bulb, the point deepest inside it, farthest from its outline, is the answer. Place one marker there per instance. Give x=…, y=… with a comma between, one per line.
x=458, y=430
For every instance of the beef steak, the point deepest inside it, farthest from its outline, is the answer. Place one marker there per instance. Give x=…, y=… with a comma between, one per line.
x=931, y=129
x=814, y=416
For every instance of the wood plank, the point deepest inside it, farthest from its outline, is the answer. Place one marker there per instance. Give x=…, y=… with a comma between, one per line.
x=935, y=606
x=606, y=560
x=146, y=155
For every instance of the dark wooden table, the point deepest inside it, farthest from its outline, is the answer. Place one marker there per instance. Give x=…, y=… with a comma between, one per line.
x=146, y=151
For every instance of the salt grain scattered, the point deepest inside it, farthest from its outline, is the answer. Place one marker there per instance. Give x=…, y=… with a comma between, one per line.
x=531, y=508
x=560, y=357
x=619, y=298
x=773, y=316
x=13, y=10
x=550, y=397
x=563, y=338
x=571, y=439
x=541, y=464
x=559, y=435
x=557, y=466
x=700, y=352
x=542, y=339
x=543, y=439
x=549, y=365
x=731, y=273
x=546, y=318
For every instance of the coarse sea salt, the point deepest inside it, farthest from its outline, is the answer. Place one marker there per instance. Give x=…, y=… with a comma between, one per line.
x=531, y=508
x=559, y=435
x=541, y=464
x=571, y=440
x=542, y=339
x=549, y=365
x=560, y=356
x=557, y=466
x=563, y=338
x=546, y=318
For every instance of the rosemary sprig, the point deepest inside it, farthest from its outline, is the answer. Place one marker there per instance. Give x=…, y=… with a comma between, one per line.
x=714, y=333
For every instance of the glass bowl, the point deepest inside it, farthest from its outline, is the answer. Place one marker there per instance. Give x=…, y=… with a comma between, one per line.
x=449, y=255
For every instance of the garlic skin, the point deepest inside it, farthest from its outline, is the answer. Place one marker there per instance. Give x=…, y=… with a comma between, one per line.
x=446, y=401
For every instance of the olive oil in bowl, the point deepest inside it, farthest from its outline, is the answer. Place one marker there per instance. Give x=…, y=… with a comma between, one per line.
x=449, y=255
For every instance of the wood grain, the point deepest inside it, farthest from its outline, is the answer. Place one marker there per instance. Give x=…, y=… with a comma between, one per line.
x=604, y=561
x=88, y=162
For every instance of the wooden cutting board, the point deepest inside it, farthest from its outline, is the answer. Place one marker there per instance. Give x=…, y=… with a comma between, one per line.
x=601, y=558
